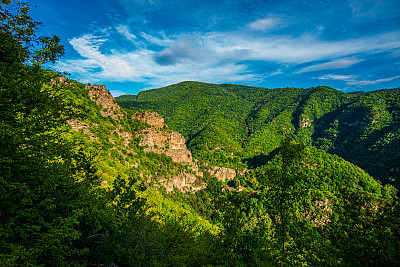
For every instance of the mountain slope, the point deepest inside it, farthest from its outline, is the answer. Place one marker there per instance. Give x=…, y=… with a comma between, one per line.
x=83, y=182
x=241, y=124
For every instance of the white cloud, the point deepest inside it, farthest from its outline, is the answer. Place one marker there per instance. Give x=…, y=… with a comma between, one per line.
x=286, y=49
x=124, y=30
x=87, y=45
x=338, y=77
x=163, y=41
x=335, y=64
x=320, y=29
x=264, y=24
x=213, y=57
x=351, y=79
x=366, y=82
x=371, y=8
x=395, y=54
x=140, y=66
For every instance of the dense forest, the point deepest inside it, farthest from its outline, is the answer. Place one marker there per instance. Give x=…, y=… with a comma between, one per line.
x=316, y=170
x=243, y=125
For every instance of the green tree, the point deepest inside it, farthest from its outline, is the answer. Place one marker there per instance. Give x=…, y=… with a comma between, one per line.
x=46, y=183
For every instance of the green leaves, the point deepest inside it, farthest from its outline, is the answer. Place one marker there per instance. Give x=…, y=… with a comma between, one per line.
x=238, y=124
x=50, y=52
x=125, y=196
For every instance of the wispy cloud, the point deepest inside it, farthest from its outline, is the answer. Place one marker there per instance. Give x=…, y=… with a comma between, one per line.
x=172, y=65
x=124, y=30
x=265, y=24
x=369, y=82
x=338, y=77
x=88, y=45
x=335, y=64
x=395, y=54
x=214, y=56
x=301, y=49
x=352, y=79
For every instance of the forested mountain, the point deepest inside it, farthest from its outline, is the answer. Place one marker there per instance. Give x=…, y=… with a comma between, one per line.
x=242, y=124
x=84, y=182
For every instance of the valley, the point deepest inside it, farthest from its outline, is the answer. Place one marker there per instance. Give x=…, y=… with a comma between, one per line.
x=190, y=174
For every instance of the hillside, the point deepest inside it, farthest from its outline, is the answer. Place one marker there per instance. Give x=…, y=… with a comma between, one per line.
x=240, y=125
x=86, y=182
x=312, y=191
x=144, y=186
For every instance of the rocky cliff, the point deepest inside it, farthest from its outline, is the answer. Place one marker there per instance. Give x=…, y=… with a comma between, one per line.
x=103, y=98
x=159, y=139
x=156, y=138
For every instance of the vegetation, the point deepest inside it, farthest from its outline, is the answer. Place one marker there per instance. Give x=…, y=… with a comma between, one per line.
x=78, y=189
x=242, y=125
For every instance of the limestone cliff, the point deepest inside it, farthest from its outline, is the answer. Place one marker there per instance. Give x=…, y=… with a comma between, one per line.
x=157, y=138
x=102, y=97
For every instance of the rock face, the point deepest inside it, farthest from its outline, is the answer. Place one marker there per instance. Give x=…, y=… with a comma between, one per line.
x=78, y=125
x=304, y=122
x=159, y=139
x=102, y=97
x=151, y=118
x=222, y=173
x=155, y=138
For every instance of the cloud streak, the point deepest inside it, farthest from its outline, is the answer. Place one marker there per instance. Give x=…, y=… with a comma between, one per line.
x=216, y=56
x=301, y=49
x=265, y=24
x=173, y=64
x=352, y=79
x=338, y=77
x=369, y=82
x=335, y=64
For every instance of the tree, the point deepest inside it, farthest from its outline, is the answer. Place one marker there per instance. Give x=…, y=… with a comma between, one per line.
x=46, y=182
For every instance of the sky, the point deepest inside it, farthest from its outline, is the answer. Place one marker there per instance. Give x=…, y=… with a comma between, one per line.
x=134, y=45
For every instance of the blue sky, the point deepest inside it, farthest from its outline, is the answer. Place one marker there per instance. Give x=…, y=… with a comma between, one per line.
x=133, y=45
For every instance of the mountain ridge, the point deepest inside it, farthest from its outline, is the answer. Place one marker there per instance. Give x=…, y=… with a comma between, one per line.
x=238, y=122
x=153, y=136
x=85, y=182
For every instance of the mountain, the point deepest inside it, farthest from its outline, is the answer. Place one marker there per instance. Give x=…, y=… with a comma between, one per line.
x=241, y=125
x=214, y=175
x=138, y=143
x=138, y=197
x=295, y=188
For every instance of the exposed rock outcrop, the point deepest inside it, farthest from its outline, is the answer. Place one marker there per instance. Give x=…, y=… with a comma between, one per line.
x=305, y=122
x=222, y=173
x=158, y=139
x=102, y=97
x=170, y=143
x=78, y=125
x=155, y=138
x=151, y=118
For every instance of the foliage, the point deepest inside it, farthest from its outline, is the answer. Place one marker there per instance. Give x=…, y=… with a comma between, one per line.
x=310, y=208
x=77, y=197
x=240, y=125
